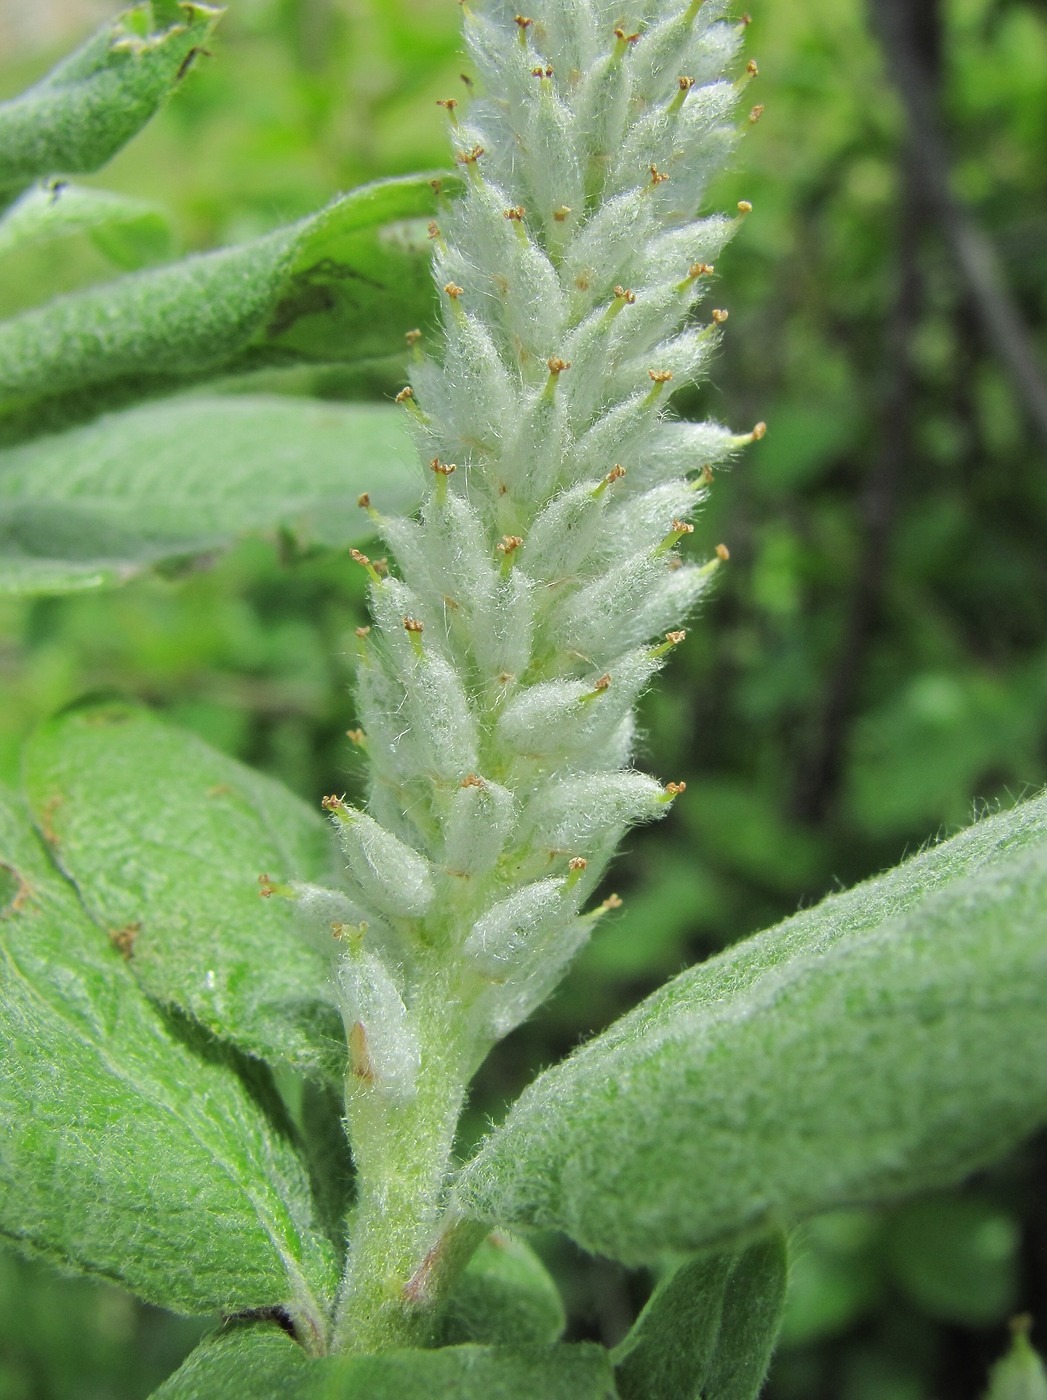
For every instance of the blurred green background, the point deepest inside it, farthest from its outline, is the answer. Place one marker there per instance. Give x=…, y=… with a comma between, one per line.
x=873, y=667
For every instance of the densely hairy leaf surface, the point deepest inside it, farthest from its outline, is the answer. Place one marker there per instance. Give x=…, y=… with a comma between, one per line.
x=164, y=839
x=886, y=1041
x=131, y=1148
x=260, y=1363
x=344, y=284
x=185, y=477
x=79, y=115
x=708, y=1329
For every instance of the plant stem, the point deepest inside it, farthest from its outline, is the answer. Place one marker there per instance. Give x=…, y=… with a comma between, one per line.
x=400, y=1265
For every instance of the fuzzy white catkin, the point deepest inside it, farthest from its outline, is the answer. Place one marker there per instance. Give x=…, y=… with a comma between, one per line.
x=501, y=674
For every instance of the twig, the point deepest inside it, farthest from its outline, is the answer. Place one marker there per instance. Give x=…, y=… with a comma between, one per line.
x=972, y=249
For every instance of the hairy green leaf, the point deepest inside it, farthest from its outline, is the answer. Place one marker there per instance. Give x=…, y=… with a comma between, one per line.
x=670, y=1345
x=166, y=481
x=506, y=1296
x=258, y=1363
x=887, y=1041
x=164, y=839
x=344, y=284
x=131, y=1148
x=753, y=1303
x=708, y=1329
x=94, y=101
x=129, y=231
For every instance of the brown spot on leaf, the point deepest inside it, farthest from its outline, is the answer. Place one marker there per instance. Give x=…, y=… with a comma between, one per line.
x=47, y=818
x=123, y=939
x=15, y=890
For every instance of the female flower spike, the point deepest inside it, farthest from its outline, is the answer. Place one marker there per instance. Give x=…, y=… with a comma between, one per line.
x=536, y=594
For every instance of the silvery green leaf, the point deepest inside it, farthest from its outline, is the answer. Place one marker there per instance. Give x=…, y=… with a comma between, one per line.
x=99, y=504
x=888, y=1040
x=79, y=115
x=342, y=285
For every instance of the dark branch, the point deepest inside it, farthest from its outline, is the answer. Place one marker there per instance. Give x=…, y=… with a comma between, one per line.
x=973, y=251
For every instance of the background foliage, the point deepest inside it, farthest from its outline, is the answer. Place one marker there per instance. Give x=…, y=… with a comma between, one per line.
x=873, y=664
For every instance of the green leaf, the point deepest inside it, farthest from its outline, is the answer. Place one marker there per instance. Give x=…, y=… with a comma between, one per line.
x=83, y=111
x=164, y=840
x=132, y=1150
x=129, y=231
x=258, y=1363
x=242, y=1362
x=506, y=1296
x=344, y=284
x=753, y=1304
x=708, y=1329
x=96, y=505
x=887, y=1041
x=670, y=1345
x=1020, y=1375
